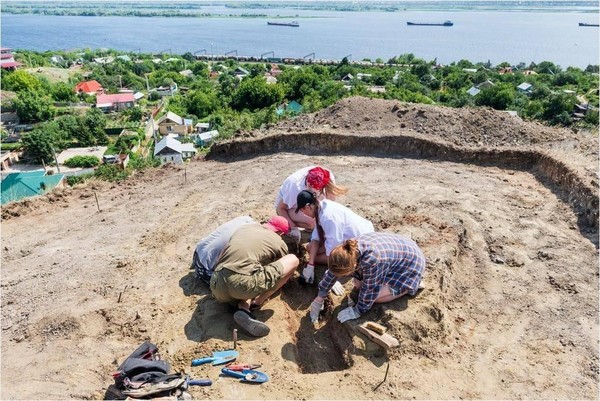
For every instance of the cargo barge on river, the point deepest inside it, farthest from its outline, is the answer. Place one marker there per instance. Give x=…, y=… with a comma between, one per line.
x=445, y=23
x=294, y=24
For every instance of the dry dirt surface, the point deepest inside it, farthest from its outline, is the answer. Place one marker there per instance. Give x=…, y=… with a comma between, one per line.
x=505, y=212
x=53, y=74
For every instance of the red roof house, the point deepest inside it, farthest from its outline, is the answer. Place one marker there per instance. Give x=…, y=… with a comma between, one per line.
x=115, y=102
x=7, y=61
x=89, y=87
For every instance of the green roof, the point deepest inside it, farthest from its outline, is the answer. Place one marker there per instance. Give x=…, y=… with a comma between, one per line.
x=291, y=107
x=17, y=186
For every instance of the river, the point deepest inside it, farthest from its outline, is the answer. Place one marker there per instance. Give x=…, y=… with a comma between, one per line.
x=497, y=36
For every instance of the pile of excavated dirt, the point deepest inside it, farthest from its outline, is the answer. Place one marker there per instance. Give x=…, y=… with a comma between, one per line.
x=503, y=210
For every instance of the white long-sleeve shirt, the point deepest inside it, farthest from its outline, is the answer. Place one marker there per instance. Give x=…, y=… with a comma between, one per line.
x=339, y=224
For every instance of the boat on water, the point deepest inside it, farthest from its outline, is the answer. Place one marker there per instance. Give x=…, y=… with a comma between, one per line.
x=445, y=23
x=586, y=24
x=293, y=23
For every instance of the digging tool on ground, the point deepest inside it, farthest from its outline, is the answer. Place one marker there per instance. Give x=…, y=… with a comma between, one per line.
x=217, y=358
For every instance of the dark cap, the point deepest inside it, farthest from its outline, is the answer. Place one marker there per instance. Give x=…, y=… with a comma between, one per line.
x=305, y=198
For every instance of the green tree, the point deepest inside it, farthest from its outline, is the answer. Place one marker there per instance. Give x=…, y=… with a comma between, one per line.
x=20, y=80
x=178, y=105
x=255, y=93
x=200, y=69
x=38, y=145
x=134, y=114
x=565, y=78
x=300, y=83
x=62, y=92
x=227, y=85
x=496, y=96
x=31, y=106
x=95, y=122
x=558, y=107
x=202, y=104
x=420, y=70
x=189, y=57
x=546, y=67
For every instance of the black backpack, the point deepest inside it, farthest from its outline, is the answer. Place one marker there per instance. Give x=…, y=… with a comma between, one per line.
x=143, y=365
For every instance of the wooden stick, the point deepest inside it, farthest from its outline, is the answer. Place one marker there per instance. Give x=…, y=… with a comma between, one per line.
x=234, y=338
x=121, y=293
x=97, y=204
x=386, y=372
x=384, y=378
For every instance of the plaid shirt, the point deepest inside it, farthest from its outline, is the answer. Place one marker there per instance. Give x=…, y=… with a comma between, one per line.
x=384, y=259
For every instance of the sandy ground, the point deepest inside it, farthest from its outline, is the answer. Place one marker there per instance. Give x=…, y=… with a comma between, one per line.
x=510, y=308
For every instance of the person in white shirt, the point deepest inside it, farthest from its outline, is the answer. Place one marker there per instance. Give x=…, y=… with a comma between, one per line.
x=317, y=179
x=335, y=223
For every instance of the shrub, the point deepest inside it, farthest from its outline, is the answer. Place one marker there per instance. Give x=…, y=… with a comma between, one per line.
x=78, y=179
x=110, y=172
x=82, y=161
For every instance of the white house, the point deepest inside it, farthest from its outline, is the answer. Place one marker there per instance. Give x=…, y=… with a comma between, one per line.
x=473, y=91
x=57, y=59
x=525, y=87
x=202, y=127
x=170, y=150
x=205, y=138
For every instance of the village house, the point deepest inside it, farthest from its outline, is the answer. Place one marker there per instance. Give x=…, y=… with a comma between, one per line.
x=485, y=84
x=104, y=60
x=275, y=71
x=57, y=59
x=525, y=87
x=205, y=138
x=170, y=150
x=171, y=123
x=473, y=91
x=92, y=87
x=240, y=72
x=115, y=102
x=167, y=90
x=7, y=60
x=270, y=79
x=202, y=127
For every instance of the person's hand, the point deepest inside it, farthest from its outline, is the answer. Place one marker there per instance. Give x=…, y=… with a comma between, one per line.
x=315, y=308
x=295, y=234
x=338, y=288
x=309, y=273
x=349, y=313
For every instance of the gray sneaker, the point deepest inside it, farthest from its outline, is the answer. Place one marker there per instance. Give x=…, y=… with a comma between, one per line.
x=250, y=324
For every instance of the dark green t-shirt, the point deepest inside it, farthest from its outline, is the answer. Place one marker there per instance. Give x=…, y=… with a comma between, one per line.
x=250, y=247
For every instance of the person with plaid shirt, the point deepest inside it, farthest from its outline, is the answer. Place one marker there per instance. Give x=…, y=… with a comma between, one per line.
x=385, y=266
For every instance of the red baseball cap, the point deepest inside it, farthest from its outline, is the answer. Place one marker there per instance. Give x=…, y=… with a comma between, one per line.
x=278, y=224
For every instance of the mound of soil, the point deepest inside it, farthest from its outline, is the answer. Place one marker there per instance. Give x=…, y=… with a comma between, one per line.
x=509, y=309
